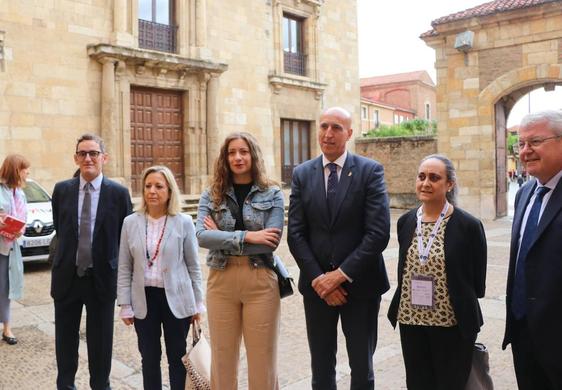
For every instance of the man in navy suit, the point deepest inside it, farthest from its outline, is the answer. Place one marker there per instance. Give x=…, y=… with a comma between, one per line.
x=88, y=212
x=338, y=227
x=534, y=283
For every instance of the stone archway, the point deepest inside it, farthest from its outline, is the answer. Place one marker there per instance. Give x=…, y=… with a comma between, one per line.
x=508, y=52
x=502, y=94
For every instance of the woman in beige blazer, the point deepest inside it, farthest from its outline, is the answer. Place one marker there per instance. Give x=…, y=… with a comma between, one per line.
x=159, y=279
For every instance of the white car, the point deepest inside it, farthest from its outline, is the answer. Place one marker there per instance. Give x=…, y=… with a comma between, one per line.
x=40, y=230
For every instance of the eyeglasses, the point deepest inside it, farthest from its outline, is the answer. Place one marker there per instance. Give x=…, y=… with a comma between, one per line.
x=94, y=154
x=535, y=142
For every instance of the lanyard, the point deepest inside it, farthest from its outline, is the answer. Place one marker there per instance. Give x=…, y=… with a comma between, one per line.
x=424, y=252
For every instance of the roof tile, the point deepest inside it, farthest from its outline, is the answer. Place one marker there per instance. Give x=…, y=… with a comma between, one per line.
x=490, y=8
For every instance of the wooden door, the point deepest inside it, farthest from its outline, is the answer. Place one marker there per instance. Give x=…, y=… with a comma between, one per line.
x=295, y=146
x=156, y=133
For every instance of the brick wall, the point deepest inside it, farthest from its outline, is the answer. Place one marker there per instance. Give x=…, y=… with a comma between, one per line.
x=400, y=157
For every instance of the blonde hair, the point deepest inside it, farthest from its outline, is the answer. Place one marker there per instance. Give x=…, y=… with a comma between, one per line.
x=174, y=206
x=222, y=179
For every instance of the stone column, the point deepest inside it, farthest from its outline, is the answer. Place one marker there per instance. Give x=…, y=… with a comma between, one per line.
x=201, y=23
x=184, y=26
x=192, y=29
x=108, y=114
x=313, y=55
x=213, y=141
x=278, y=36
x=121, y=34
x=122, y=108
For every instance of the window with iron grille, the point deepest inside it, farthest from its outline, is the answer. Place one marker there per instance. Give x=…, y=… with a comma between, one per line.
x=293, y=53
x=157, y=30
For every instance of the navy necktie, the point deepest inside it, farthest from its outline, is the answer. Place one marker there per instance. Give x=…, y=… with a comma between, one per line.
x=519, y=290
x=332, y=187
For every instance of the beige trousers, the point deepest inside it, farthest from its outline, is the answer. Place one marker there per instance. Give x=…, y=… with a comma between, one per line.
x=243, y=300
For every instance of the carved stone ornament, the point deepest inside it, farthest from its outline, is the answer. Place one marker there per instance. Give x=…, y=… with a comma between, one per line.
x=278, y=82
x=160, y=64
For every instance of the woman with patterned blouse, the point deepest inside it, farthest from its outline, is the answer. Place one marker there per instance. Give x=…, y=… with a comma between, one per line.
x=441, y=275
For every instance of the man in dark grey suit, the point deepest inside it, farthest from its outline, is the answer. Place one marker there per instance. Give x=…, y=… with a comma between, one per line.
x=338, y=227
x=534, y=283
x=88, y=212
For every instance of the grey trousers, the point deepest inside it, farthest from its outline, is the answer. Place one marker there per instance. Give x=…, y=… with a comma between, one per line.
x=4, y=289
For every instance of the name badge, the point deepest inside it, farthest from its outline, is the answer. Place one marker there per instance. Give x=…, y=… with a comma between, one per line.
x=422, y=291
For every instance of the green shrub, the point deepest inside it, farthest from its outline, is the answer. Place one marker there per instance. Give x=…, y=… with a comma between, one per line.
x=411, y=128
x=511, y=140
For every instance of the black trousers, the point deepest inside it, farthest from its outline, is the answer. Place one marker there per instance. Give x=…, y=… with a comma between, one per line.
x=532, y=369
x=436, y=358
x=99, y=334
x=149, y=331
x=359, y=319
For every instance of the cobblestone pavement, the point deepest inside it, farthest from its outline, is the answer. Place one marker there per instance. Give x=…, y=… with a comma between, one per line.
x=31, y=363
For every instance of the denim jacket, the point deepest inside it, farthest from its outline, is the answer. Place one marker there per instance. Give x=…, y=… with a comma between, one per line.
x=262, y=209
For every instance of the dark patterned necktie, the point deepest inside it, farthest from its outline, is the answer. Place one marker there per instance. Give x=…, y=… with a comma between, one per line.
x=84, y=256
x=332, y=187
x=519, y=299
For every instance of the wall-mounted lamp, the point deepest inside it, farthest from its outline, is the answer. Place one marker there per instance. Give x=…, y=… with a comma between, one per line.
x=464, y=42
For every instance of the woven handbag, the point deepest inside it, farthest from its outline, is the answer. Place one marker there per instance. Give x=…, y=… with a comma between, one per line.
x=197, y=361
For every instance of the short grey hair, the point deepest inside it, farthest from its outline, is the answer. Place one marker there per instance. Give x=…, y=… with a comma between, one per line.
x=451, y=175
x=91, y=137
x=552, y=117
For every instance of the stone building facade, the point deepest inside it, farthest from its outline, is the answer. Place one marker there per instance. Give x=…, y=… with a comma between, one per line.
x=516, y=47
x=374, y=114
x=414, y=92
x=166, y=85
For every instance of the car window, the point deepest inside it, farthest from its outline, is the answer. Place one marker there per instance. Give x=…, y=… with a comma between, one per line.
x=34, y=193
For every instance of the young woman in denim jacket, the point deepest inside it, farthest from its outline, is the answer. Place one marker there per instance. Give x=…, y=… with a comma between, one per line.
x=240, y=220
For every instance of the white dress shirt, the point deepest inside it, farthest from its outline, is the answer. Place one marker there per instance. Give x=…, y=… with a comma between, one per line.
x=552, y=183
x=153, y=275
x=340, y=161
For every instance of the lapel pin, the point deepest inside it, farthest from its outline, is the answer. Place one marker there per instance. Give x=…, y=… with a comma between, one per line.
x=350, y=173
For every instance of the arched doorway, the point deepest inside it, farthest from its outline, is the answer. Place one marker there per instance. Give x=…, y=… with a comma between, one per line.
x=487, y=57
x=503, y=110
x=515, y=85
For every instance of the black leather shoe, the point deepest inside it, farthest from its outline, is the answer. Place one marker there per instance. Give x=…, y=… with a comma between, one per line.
x=9, y=339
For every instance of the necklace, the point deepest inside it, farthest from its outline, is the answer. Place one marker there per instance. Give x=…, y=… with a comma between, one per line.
x=152, y=259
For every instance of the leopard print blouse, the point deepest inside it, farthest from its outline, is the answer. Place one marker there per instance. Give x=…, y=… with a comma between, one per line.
x=442, y=313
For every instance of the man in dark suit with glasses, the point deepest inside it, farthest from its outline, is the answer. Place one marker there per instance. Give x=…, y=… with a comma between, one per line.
x=88, y=212
x=534, y=283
